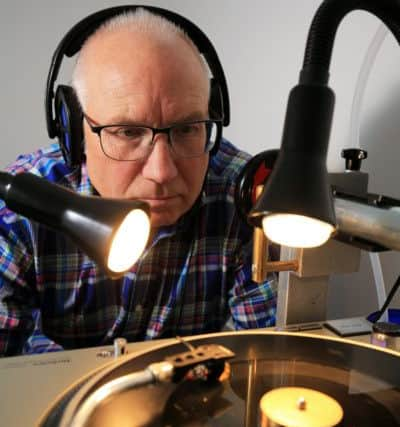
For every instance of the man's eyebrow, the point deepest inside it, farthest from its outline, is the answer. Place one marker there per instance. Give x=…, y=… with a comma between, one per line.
x=196, y=115
x=120, y=121
x=123, y=120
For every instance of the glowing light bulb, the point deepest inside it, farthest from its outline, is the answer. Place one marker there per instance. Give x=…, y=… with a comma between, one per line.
x=129, y=241
x=296, y=230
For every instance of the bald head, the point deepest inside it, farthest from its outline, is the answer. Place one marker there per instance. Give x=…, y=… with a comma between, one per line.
x=140, y=34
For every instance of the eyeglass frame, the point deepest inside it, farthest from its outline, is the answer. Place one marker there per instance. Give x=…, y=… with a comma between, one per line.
x=96, y=129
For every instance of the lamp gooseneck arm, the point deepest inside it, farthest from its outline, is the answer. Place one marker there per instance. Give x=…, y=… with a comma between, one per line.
x=321, y=35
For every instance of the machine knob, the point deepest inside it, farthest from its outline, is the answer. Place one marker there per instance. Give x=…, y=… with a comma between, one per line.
x=120, y=347
x=353, y=157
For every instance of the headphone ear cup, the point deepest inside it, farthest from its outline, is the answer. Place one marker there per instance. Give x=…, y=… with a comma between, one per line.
x=215, y=110
x=216, y=103
x=68, y=117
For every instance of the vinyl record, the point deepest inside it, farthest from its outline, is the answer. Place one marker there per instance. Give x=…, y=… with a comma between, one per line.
x=363, y=380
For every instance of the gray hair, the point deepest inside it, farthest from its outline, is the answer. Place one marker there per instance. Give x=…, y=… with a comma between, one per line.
x=139, y=20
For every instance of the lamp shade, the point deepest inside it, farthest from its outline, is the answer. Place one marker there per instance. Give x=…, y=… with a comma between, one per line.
x=296, y=207
x=112, y=232
x=298, y=186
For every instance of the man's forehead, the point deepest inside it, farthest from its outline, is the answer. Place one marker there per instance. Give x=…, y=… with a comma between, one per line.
x=139, y=43
x=140, y=64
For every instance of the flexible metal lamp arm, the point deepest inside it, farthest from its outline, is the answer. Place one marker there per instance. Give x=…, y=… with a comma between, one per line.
x=322, y=32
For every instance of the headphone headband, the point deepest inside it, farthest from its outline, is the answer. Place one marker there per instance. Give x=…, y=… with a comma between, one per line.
x=76, y=36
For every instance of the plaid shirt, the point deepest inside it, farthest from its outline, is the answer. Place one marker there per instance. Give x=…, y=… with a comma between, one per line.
x=194, y=276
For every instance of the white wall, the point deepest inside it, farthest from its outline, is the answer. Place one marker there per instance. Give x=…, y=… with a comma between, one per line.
x=261, y=45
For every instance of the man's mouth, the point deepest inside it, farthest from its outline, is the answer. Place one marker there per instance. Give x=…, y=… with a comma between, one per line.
x=159, y=201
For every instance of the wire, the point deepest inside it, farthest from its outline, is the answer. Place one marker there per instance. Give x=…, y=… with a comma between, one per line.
x=374, y=317
x=185, y=343
x=379, y=281
x=365, y=71
x=354, y=137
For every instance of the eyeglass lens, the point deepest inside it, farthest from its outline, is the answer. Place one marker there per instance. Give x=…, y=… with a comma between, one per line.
x=126, y=142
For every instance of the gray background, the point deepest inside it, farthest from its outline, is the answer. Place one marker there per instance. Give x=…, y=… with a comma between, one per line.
x=261, y=45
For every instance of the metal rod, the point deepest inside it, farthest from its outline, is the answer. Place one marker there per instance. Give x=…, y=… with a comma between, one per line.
x=376, y=224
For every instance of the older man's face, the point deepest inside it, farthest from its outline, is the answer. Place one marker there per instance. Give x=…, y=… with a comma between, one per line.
x=136, y=81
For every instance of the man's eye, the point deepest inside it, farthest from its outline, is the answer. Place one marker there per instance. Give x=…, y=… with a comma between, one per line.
x=189, y=129
x=126, y=132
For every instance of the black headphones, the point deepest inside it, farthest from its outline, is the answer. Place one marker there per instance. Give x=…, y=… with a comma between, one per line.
x=63, y=112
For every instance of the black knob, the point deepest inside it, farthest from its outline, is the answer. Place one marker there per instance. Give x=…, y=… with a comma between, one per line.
x=353, y=157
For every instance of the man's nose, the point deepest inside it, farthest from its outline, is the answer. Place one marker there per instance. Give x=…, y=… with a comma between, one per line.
x=160, y=166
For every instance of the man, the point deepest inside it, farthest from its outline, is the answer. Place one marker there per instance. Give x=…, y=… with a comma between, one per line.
x=144, y=92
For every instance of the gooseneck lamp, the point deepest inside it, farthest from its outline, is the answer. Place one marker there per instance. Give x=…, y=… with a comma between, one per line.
x=112, y=232
x=296, y=207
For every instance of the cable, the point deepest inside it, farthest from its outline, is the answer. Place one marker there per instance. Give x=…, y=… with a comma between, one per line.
x=379, y=281
x=354, y=138
x=374, y=317
x=361, y=84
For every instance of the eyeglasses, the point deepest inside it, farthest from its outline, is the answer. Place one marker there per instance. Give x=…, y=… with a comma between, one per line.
x=131, y=142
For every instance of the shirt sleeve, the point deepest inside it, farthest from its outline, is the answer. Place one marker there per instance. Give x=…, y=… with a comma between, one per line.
x=19, y=320
x=252, y=305
x=38, y=342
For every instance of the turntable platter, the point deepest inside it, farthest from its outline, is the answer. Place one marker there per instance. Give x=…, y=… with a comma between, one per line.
x=363, y=380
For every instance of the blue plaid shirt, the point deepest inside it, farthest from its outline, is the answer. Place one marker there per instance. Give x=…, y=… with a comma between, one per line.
x=193, y=277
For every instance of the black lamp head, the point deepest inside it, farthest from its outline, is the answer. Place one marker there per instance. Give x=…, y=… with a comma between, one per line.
x=297, y=193
x=112, y=232
x=298, y=187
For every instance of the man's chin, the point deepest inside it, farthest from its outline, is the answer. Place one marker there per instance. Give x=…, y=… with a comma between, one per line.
x=163, y=219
